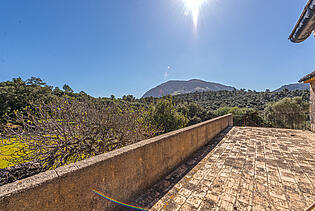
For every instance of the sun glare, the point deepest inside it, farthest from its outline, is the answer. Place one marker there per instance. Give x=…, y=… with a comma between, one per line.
x=193, y=7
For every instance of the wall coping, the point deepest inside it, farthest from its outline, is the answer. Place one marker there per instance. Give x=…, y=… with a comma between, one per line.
x=47, y=176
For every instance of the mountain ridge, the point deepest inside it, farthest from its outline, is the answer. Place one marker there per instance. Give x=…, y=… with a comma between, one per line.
x=294, y=86
x=175, y=87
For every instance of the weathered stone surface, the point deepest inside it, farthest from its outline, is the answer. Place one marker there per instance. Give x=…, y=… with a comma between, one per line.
x=250, y=169
x=18, y=172
x=312, y=106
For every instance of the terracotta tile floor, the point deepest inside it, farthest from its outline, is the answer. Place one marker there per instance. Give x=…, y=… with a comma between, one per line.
x=250, y=169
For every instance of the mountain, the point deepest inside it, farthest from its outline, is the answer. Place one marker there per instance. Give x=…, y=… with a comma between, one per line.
x=176, y=87
x=291, y=87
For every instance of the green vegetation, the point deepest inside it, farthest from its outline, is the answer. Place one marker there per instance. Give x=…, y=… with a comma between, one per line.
x=17, y=94
x=251, y=108
x=242, y=116
x=164, y=115
x=239, y=98
x=55, y=127
x=288, y=113
x=194, y=112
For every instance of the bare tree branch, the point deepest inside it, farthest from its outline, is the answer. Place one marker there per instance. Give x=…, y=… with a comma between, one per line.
x=68, y=130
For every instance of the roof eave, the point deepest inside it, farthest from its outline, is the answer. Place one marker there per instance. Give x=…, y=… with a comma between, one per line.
x=304, y=24
x=308, y=78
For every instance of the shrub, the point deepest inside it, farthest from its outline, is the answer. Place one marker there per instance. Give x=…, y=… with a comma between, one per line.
x=164, y=116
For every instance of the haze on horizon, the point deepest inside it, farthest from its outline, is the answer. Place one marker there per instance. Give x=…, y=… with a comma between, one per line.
x=128, y=47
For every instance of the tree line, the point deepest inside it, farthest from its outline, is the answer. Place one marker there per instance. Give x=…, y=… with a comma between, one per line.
x=55, y=126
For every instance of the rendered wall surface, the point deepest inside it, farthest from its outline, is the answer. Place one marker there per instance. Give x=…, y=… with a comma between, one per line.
x=312, y=106
x=121, y=174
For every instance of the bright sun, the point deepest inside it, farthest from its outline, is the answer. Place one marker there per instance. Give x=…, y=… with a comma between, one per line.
x=193, y=6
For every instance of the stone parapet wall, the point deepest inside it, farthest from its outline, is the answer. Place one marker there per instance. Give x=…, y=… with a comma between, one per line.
x=121, y=174
x=312, y=106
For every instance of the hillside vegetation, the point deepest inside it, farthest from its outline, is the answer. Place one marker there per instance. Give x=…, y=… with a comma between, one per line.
x=54, y=127
x=239, y=98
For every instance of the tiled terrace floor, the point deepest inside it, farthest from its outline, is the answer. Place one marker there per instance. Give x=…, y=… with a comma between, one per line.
x=250, y=169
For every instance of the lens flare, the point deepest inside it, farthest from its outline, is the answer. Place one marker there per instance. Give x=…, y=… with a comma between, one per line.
x=118, y=202
x=193, y=7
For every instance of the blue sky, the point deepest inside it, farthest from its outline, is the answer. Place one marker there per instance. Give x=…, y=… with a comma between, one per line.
x=122, y=47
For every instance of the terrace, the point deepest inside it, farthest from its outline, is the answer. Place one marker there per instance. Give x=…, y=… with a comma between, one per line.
x=208, y=166
x=250, y=169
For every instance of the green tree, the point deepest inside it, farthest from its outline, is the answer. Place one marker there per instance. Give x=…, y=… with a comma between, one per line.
x=194, y=112
x=242, y=116
x=129, y=98
x=67, y=88
x=58, y=92
x=16, y=94
x=287, y=113
x=35, y=82
x=164, y=115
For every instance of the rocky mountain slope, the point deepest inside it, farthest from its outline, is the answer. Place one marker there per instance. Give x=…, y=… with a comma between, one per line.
x=175, y=87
